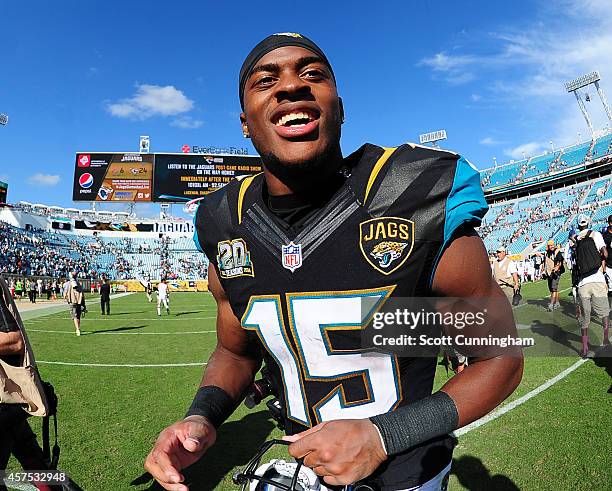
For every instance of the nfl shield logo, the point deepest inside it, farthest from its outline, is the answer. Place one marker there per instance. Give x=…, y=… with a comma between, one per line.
x=292, y=256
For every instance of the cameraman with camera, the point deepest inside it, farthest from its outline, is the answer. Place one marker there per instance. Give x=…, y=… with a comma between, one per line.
x=506, y=274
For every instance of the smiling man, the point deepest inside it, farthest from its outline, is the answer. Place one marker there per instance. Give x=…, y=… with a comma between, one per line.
x=296, y=250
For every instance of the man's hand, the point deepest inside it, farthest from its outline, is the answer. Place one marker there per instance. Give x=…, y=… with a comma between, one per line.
x=177, y=447
x=342, y=451
x=11, y=343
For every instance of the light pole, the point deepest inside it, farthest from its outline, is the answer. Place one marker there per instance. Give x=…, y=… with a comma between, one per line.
x=582, y=82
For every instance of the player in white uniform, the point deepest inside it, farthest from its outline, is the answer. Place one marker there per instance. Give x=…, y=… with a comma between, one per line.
x=162, y=296
x=148, y=288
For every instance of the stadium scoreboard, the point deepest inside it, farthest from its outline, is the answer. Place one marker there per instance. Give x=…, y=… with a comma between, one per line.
x=180, y=176
x=3, y=191
x=162, y=177
x=113, y=177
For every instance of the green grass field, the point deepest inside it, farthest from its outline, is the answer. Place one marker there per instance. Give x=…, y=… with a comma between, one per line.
x=111, y=412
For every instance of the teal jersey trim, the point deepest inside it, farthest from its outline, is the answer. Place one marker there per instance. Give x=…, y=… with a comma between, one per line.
x=465, y=204
x=196, y=239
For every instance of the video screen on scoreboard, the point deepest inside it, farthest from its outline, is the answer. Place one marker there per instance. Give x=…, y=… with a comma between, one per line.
x=189, y=176
x=113, y=177
x=3, y=191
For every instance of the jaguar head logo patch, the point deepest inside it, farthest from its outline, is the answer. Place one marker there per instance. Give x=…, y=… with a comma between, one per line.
x=386, y=242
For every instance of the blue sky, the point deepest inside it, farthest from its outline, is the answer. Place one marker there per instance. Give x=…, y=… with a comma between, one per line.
x=93, y=75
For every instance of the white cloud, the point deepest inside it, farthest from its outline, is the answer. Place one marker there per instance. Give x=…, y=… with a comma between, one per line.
x=454, y=69
x=152, y=100
x=39, y=179
x=475, y=97
x=488, y=140
x=442, y=62
x=526, y=149
x=529, y=63
x=187, y=123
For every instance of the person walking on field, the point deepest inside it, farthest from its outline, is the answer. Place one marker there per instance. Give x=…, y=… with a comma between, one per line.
x=148, y=289
x=105, y=291
x=553, y=269
x=505, y=273
x=591, y=254
x=18, y=289
x=73, y=294
x=162, y=296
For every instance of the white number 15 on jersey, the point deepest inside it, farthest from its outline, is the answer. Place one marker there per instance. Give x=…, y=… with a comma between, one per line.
x=311, y=317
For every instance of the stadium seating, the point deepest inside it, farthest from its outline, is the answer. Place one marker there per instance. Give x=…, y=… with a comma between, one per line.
x=574, y=155
x=537, y=167
x=525, y=224
x=602, y=147
x=505, y=174
x=56, y=254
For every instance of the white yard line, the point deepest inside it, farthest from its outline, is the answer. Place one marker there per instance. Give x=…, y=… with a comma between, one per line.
x=514, y=404
x=126, y=365
x=122, y=333
x=28, y=314
x=130, y=319
x=19, y=486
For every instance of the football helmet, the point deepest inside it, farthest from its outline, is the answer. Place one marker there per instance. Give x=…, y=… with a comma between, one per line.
x=277, y=475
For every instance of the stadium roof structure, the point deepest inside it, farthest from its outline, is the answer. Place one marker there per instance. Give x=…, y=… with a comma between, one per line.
x=567, y=164
x=93, y=215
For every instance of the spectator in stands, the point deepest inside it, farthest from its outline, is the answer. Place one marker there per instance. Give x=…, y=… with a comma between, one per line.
x=591, y=256
x=73, y=294
x=105, y=292
x=505, y=273
x=553, y=269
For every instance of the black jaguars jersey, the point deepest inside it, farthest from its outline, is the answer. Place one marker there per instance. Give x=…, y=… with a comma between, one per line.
x=299, y=291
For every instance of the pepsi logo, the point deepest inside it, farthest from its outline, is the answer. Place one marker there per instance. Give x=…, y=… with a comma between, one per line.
x=86, y=180
x=186, y=149
x=84, y=160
